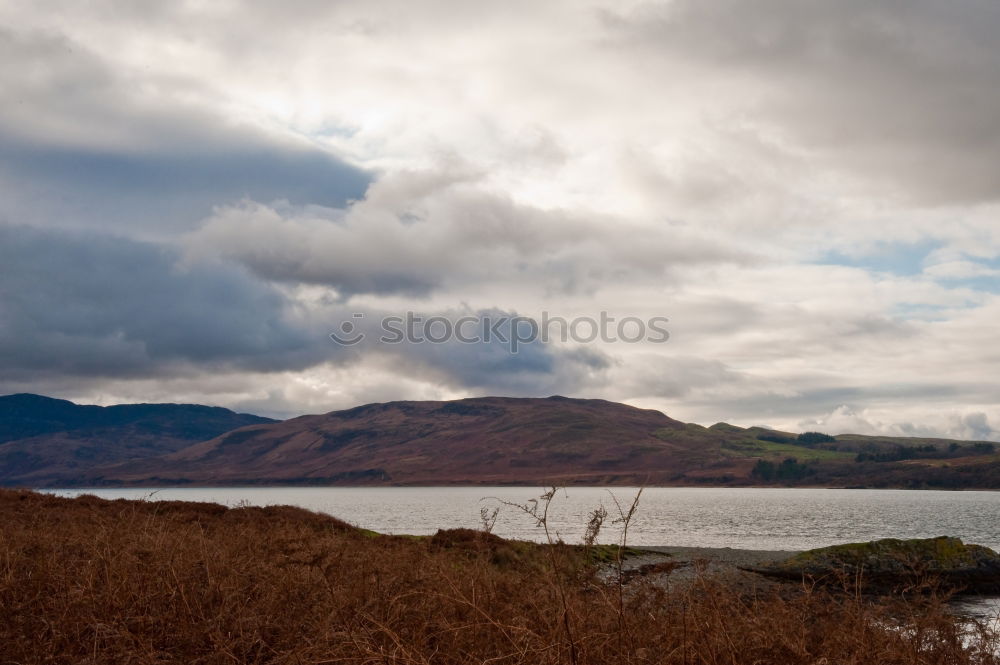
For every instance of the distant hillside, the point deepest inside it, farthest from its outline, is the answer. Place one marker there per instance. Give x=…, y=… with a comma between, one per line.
x=500, y=440
x=45, y=440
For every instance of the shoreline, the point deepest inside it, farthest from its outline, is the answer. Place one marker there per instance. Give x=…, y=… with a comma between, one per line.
x=728, y=566
x=724, y=564
x=464, y=485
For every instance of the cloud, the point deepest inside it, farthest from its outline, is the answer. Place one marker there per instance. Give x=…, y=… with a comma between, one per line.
x=86, y=144
x=973, y=426
x=496, y=363
x=906, y=95
x=807, y=190
x=99, y=305
x=679, y=378
x=954, y=270
x=444, y=232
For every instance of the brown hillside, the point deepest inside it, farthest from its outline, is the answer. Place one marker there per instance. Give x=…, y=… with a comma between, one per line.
x=479, y=440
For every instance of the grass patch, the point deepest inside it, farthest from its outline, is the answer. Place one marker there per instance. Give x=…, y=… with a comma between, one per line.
x=87, y=581
x=773, y=450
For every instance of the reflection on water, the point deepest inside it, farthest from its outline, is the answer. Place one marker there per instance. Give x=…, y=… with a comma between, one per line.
x=983, y=608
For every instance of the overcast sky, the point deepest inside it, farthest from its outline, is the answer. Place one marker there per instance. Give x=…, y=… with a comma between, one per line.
x=193, y=195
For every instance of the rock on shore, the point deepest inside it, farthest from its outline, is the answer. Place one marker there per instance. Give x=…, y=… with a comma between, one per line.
x=896, y=564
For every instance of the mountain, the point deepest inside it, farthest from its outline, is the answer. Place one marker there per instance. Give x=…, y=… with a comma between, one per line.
x=44, y=440
x=502, y=440
x=480, y=440
x=488, y=440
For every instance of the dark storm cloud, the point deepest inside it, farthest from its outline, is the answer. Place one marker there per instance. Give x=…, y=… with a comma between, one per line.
x=83, y=143
x=171, y=190
x=494, y=362
x=95, y=304
x=909, y=91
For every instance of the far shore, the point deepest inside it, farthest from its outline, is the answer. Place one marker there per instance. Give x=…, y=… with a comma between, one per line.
x=279, y=485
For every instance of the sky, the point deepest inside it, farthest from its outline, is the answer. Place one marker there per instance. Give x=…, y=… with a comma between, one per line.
x=194, y=195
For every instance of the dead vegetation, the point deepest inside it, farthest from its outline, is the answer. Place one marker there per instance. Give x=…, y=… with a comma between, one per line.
x=94, y=581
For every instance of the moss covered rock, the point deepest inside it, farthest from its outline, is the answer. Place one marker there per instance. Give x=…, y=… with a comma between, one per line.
x=896, y=564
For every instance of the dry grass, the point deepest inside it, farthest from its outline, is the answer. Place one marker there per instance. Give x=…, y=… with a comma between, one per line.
x=93, y=581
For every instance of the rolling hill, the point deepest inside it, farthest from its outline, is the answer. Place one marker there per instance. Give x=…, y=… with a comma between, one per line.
x=502, y=440
x=45, y=440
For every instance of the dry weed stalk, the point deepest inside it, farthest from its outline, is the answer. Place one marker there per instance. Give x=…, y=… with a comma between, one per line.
x=86, y=581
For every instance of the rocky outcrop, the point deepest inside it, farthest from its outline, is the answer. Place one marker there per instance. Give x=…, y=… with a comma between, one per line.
x=896, y=565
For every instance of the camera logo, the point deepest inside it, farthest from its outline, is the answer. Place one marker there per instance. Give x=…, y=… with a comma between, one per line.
x=348, y=334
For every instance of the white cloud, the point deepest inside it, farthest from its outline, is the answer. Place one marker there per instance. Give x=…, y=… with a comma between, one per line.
x=973, y=425
x=960, y=270
x=415, y=233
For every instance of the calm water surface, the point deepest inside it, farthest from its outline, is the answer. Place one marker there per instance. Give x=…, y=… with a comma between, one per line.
x=751, y=518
